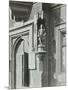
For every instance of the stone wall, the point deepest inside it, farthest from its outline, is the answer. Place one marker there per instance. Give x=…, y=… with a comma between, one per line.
x=57, y=17
x=36, y=8
x=53, y=18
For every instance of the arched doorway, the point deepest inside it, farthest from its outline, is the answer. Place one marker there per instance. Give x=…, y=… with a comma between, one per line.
x=21, y=72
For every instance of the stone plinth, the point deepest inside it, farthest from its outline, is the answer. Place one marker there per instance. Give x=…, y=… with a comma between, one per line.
x=41, y=53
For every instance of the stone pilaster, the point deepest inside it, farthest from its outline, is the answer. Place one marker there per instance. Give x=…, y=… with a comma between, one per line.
x=42, y=48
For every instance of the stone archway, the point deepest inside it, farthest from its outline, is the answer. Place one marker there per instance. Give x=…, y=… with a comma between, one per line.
x=21, y=72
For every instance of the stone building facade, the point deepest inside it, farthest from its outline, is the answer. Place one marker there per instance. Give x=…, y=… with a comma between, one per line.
x=37, y=44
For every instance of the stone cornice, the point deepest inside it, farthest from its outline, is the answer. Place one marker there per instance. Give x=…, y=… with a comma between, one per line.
x=20, y=26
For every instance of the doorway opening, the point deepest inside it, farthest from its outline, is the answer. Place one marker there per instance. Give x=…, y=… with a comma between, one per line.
x=21, y=71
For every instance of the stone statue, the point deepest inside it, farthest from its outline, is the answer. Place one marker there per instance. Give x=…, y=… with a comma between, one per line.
x=41, y=34
x=41, y=30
